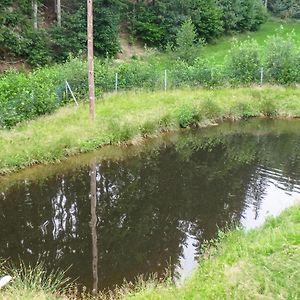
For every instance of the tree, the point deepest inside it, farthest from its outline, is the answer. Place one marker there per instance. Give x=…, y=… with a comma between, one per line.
x=206, y=16
x=187, y=46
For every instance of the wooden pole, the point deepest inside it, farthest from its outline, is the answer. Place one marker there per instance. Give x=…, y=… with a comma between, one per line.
x=91, y=58
x=35, y=14
x=58, y=12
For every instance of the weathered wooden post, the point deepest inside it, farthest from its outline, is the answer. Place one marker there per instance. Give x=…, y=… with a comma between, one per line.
x=91, y=58
x=35, y=14
x=58, y=12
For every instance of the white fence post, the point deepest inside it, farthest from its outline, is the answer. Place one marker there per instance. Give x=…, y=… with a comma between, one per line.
x=72, y=94
x=116, y=83
x=261, y=75
x=166, y=81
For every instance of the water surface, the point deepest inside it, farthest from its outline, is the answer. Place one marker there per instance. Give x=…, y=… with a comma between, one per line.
x=122, y=212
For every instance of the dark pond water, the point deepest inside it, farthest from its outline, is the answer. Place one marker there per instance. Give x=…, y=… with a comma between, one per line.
x=122, y=212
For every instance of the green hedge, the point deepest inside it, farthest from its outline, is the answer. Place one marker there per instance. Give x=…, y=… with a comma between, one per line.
x=25, y=96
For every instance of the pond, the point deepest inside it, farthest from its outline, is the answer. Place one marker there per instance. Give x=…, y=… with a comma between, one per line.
x=125, y=211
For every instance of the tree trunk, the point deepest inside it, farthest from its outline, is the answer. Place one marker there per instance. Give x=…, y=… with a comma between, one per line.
x=91, y=58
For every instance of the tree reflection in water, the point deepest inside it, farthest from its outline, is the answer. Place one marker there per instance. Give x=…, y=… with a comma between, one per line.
x=136, y=216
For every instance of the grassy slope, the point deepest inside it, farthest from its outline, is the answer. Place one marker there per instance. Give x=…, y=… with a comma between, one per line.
x=217, y=52
x=259, y=264
x=129, y=115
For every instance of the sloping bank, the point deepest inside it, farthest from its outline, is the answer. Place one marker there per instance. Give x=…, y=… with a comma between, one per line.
x=259, y=264
x=129, y=116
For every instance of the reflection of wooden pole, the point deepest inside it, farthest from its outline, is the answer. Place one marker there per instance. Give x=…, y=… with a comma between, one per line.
x=91, y=58
x=94, y=225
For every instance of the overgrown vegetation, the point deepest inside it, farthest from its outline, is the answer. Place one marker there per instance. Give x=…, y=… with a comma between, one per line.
x=156, y=23
x=285, y=8
x=26, y=96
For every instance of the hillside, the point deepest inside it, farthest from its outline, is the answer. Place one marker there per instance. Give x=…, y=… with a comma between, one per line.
x=45, y=32
x=217, y=51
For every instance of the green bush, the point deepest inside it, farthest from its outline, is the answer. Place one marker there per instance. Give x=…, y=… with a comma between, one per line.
x=282, y=60
x=244, y=62
x=187, y=115
x=26, y=96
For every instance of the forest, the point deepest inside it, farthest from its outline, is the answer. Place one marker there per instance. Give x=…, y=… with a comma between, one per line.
x=41, y=32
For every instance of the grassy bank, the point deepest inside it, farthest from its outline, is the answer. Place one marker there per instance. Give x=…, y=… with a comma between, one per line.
x=133, y=115
x=259, y=264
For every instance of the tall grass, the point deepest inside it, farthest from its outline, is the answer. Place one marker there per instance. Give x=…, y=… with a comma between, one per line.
x=32, y=282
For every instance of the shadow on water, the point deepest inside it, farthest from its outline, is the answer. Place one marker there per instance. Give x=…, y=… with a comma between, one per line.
x=140, y=209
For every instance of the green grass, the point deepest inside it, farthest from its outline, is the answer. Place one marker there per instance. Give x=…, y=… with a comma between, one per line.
x=132, y=115
x=258, y=264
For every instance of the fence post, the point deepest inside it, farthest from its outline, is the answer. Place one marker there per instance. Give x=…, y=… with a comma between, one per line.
x=261, y=75
x=116, y=83
x=166, y=81
x=72, y=94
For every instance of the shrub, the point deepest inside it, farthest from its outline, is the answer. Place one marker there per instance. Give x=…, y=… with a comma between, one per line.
x=26, y=96
x=187, y=115
x=282, y=60
x=244, y=62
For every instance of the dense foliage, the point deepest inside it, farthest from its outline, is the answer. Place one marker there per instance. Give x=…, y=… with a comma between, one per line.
x=156, y=23
x=285, y=8
x=25, y=96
